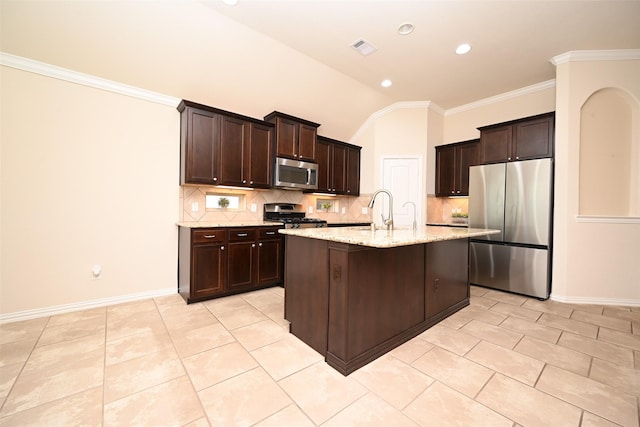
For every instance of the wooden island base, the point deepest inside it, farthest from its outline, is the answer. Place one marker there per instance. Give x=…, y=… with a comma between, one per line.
x=354, y=303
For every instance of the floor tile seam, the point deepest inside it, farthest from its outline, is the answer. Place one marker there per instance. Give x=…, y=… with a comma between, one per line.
x=284, y=337
x=507, y=375
x=619, y=347
x=413, y=368
x=524, y=334
x=475, y=397
x=166, y=380
x=580, y=407
x=184, y=369
x=50, y=403
x=603, y=339
x=599, y=325
x=35, y=344
x=535, y=387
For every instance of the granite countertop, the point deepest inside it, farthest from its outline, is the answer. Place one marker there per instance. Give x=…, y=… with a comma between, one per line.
x=382, y=238
x=227, y=224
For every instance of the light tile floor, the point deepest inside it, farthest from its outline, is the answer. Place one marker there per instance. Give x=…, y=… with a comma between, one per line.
x=506, y=360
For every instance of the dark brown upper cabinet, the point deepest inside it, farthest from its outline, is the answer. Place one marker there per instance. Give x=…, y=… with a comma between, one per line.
x=218, y=147
x=523, y=139
x=338, y=167
x=452, y=167
x=295, y=138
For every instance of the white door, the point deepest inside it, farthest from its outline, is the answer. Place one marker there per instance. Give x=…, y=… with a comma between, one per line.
x=403, y=177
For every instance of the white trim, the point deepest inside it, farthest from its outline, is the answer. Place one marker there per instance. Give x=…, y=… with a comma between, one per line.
x=608, y=219
x=65, y=74
x=66, y=308
x=597, y=301
x=596, y=55
x=502, y=97
x=429, y=105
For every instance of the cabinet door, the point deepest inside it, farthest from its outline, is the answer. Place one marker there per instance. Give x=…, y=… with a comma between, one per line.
x=495, y=144
x=446, y=283
x=208, y=266
x=286, y=138
x=259, y=161
x=233, y=145
x=339, y=169
x=466, y=156
x=202, y=149
x=242, y=248
x=270, y=262
x=324, y=156
x=534, y=139
x=353, y=172
x=307, y=142
x=445, y=171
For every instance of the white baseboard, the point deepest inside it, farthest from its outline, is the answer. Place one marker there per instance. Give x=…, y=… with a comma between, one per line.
x=597, y=301
x=85, y=305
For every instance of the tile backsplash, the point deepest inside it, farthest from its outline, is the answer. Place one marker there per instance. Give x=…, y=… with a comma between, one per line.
x=439, y=209
x=352, y=206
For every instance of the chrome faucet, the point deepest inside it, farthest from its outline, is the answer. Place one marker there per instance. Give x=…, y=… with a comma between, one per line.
x=389, y=220
x=415, y=225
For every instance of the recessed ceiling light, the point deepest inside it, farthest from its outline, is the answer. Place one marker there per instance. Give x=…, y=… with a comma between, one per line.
x=230, y=2
x=386, y=83
x=463, y=48
x=405, y=29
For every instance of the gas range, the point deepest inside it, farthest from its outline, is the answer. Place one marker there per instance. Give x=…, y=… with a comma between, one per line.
x=291, y=215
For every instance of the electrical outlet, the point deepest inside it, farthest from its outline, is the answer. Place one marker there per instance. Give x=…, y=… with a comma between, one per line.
x=310, y=209
x=344, y=210
x=96, y=271
x=364, y=211
x=194, y=207
x=254, y=207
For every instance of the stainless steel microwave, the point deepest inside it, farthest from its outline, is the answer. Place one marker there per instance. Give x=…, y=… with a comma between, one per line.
x=295, y=175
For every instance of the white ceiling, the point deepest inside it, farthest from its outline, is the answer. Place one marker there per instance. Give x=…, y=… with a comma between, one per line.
x=512, y=41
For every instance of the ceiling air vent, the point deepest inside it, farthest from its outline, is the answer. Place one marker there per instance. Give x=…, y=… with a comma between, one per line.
x=364, y=47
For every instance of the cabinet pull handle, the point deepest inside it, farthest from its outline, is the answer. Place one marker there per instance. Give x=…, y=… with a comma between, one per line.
x=270, y=233
x=242, y=234
x=210, y=236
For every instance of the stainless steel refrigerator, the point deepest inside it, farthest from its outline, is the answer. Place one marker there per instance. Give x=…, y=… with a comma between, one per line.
x=515, y=198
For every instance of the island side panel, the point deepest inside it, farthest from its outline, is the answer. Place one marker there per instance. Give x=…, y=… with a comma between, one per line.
x=376, y=299
x=447, y=278
x=306, y=290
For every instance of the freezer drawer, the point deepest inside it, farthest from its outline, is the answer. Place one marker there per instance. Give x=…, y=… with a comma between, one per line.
x=510, y=268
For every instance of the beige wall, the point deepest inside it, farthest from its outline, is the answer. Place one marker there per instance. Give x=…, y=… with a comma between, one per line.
x=88, y=177
x=592, y=260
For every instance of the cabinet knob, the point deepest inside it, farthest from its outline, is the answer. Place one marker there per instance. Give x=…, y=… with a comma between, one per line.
x=251, y=182
x=222, y=248
x=253, y=245
x=215, y=179
x=458, y=191
x=517, y=158
x=508, y=158
x=244, y=181
x=435, y=284
x=260, y=244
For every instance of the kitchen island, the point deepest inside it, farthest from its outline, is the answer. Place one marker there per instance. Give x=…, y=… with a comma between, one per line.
x=353, y=294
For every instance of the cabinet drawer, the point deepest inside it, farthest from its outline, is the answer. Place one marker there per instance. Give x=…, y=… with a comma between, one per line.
x=208, y=236
x=241, y=235
x=269, y=233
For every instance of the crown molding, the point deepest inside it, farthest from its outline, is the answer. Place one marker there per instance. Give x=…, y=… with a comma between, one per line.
x=29, y=65
x=502, y=97
x=428, y=105
x=596, y=55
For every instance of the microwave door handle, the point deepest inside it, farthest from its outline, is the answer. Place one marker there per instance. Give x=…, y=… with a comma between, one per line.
x=308, y=175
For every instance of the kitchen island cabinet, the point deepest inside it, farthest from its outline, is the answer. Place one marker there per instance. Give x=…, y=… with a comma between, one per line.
x=353, y=294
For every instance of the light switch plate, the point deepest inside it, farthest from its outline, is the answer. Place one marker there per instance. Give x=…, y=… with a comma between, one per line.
x=310, y=209
x=254, y=207
x=194, y=207
x=365, y=211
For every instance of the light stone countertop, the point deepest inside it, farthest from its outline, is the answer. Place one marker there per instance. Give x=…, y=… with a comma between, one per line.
x=382, y=238
x=228, y=224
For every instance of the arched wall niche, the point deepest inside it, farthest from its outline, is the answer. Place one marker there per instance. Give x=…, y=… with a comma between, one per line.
x=609, y=182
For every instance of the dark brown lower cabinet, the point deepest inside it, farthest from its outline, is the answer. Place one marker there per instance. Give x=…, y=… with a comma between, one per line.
x=214, y=262
x=353, y=303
